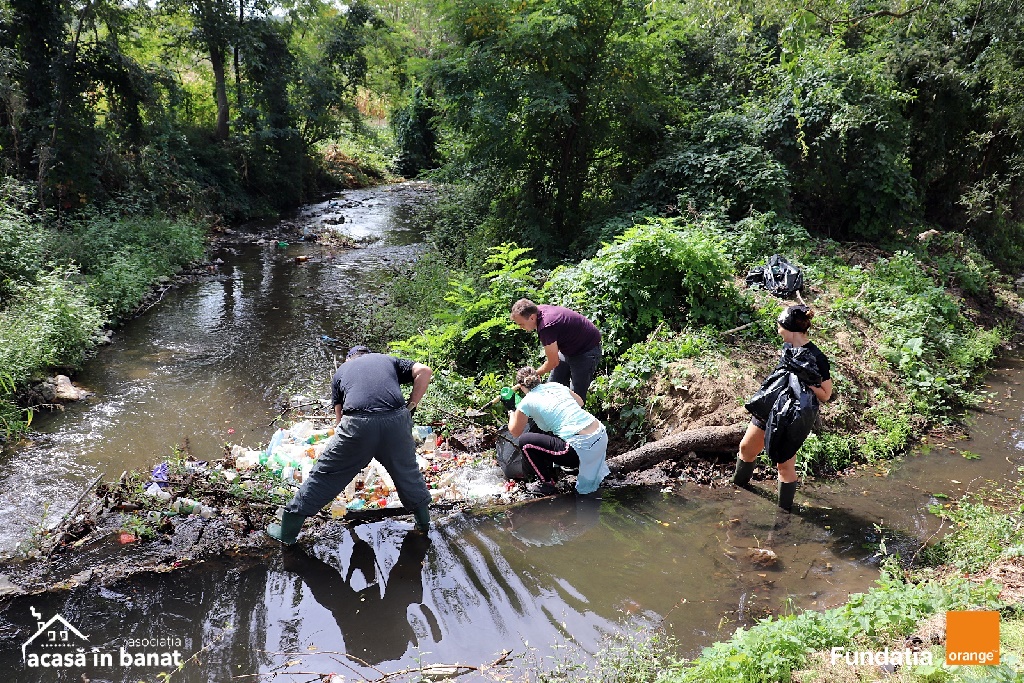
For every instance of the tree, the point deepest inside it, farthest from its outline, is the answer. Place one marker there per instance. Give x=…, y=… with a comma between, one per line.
x=214, y=29
x=555, y=101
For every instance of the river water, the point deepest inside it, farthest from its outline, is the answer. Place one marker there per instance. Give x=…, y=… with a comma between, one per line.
x=527, y=588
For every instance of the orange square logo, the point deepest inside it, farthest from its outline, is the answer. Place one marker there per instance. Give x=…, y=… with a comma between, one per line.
x=972, y=638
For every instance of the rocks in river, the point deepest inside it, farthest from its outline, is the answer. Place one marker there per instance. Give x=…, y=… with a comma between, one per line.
x=53, y=390
x=762, y=557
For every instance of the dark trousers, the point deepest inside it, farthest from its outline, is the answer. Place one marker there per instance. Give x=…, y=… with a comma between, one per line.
x=357, y=440
x=577, y=372
x=544, y=451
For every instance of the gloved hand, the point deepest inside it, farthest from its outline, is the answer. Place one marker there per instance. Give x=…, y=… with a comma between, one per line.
x=508, y=398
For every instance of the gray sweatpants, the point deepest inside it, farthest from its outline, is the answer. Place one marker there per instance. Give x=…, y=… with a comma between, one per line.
x=357, y=440
x=577, y=372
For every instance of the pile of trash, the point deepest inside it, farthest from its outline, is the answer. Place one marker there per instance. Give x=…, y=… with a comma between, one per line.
x=452, y=476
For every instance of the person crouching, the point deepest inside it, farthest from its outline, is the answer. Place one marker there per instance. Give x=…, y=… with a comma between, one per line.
x=580, y=440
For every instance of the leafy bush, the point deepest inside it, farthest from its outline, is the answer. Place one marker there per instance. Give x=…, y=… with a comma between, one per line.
x=752, y=240
x=474, y=333
x=959, y=263
x=979, y=535
x=655, y=273
x=22, y=239
x=716, y=166
x=48, y=325
x=923, y=334
x=122, y=255
x=774, y=648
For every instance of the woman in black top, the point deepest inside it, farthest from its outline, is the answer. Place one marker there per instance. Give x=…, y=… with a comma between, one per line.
x=794, y=322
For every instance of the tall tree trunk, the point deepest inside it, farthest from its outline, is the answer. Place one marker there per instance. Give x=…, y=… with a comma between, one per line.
x=238, y=70
x=220, y=91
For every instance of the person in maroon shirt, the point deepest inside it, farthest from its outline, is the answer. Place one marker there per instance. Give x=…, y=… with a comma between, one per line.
x=572, y=344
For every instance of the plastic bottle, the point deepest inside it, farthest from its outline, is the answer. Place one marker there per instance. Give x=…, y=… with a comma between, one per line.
x=509, y=392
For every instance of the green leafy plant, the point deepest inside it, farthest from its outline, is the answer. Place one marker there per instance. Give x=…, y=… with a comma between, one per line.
x=474, y=332
x=662, y=272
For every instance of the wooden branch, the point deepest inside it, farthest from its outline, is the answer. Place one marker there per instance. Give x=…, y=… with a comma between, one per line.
x=674, y=445
x=737, y=329
x=872, y=15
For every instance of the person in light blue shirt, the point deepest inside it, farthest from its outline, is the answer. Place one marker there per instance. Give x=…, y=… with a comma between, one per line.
x=579, y=439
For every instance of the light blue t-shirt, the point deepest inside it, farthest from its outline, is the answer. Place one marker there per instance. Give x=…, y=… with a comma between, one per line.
x=553, y=408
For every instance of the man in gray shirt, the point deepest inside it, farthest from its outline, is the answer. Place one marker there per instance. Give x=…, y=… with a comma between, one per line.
x=374, y=421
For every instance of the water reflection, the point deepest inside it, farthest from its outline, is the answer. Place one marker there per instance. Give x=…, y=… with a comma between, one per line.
x=554, y=521
x=369, y=607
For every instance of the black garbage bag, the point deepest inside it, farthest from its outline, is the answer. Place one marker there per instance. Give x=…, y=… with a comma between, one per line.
x=761, y=403
x=510, y=456
x=786, y=404
x=790, y=421
x=801, y=362
x=778, y=276
x=795, y=360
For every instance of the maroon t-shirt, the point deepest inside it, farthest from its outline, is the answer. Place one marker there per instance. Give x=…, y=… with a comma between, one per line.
x=574, y=333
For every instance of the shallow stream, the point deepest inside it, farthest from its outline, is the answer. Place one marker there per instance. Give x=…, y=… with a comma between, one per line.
x=544, y=582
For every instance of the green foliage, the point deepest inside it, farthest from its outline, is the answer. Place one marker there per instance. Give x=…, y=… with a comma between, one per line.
x=623, y=658
x=774, y=648
x=414, y=136
x=555, y=102
x=474, y=333
x=48, y=325
x=141, y=528
x=753, y=239
x=122, y=255
x=980, y=534
x=22, y=239
x=834, y=116
x=959, y=264
x=658, y=273
x=922, y=332
x=716, y=166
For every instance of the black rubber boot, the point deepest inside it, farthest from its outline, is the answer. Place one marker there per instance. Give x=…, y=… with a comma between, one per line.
x=422, y=515
x=744, y=471
x=787, y=490
x=288, y=530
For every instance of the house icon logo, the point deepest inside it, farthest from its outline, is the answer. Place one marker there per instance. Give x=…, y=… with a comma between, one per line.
x=56, y=643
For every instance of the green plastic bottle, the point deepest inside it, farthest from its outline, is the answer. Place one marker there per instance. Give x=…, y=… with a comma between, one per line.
x=509, y=392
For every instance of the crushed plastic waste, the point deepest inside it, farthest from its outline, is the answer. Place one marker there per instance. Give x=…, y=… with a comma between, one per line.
x=292, y=453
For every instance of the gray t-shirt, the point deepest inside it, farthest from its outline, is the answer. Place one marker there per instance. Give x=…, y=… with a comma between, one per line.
x=371, y=383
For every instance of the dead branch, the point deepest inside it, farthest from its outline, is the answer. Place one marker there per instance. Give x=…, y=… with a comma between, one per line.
x=854, y=21
x=672, y=446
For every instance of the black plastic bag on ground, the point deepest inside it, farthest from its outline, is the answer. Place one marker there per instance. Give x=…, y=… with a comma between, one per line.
x=510, y=456
x=778, y=276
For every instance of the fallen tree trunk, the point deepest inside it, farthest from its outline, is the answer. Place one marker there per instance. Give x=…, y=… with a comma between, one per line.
x=674, y=445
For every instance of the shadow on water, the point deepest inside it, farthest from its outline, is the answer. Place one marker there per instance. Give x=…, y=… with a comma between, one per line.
x=548, y=579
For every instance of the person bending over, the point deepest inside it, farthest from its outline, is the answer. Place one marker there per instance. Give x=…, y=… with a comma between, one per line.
x=572, y=344
x=374, y=421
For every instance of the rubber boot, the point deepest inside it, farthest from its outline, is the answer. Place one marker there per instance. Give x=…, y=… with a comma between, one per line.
x=787, y=490
x=288, y=530
x=422, y=515
x=744, y=471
